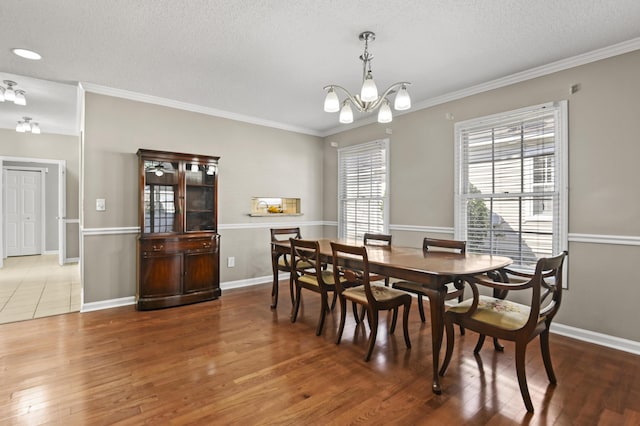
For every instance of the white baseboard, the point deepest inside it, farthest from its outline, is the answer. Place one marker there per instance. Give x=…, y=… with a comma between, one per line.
x=601, y=339
x=107, y=304
x=250, y=282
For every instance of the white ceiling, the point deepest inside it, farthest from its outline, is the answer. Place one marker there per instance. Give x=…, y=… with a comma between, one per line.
x=267, y=61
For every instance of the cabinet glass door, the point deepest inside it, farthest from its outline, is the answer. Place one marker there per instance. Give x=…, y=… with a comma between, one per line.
x=160, y=197
x=199, y=204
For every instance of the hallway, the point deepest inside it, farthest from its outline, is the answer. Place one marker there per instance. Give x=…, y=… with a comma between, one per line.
x=36, y=286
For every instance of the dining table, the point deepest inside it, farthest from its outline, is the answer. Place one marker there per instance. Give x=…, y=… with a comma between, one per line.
x=433, y=269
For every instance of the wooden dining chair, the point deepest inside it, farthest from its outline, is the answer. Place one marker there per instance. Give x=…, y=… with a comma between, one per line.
x=455, y=289
x=307, y=273
x=282, y=262
x=351, y=275
x=384, y=240
x=503, y=319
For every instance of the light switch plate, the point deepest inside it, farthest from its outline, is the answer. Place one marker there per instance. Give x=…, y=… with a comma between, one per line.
x=101, y=204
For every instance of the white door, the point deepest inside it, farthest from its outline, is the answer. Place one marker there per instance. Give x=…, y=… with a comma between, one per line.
x=23, y=210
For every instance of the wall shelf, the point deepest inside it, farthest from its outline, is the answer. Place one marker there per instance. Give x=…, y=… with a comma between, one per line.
x=275, y=206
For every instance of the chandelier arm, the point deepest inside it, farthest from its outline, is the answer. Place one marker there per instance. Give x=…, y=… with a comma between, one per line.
x=355, y=101
x=378, y=102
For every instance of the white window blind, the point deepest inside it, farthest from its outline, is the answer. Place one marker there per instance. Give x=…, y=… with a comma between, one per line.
x=363, y=177
x=511, y=197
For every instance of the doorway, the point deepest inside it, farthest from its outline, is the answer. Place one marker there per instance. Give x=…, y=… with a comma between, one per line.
x=42, y=278
x=23, y=210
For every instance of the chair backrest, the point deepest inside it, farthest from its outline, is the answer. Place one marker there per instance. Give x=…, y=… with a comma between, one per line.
x=305, y=258
x=376, y=239
x=547, y=288
x=351, y=268
x=283, y=234
x=454, y=245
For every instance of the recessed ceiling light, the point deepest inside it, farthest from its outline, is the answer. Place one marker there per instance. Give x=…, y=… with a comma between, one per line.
x=27, y=54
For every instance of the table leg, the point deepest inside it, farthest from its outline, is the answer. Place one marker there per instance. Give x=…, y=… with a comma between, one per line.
x=436, y=304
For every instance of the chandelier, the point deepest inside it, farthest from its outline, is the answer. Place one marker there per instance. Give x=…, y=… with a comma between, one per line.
x=368, y=99
x=26, y=125
x=11, y=94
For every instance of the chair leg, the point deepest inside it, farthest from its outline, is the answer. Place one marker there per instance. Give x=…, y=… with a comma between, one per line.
x=394, y=320
x=521, y=349
x=293, y=300
x=274, y=291
x=373, y=319
x=354, y=305
x=323, y=311
x=497, y=346
x=333, y=302
x=546, y=356
x=343, y=314
x=476, y=350
x=363, y=313
x=421, y=308
x=296, y=305
x=460, y=300
x=405, y=323
x=448, y=326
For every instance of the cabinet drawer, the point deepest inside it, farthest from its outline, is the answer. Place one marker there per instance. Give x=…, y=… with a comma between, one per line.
x=157, y=245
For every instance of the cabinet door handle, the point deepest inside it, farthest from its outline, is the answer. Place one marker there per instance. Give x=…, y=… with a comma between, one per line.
x=206, y=245
x=157, y=247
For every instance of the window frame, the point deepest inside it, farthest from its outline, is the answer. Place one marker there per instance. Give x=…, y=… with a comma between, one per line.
x=362, y=149
x=560, y=226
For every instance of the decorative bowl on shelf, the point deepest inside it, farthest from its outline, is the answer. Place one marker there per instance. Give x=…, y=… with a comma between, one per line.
x=274, y=209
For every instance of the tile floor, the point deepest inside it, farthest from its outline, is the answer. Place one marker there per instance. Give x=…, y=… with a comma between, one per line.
x=36, y=286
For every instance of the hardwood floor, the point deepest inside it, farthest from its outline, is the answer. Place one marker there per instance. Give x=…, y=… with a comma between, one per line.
x=235, y=361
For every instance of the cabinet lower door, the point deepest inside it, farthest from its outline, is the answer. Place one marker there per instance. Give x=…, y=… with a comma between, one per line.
x=200, y=271
x=161, y=275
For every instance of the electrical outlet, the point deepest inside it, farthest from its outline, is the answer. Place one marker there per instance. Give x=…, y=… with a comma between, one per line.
x=101, y=204
x=231, y=262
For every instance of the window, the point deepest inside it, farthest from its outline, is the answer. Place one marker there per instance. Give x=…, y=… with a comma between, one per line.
x=363, y=179
x=511, y=196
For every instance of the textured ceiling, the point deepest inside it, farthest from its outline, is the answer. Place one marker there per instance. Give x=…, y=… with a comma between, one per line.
x=269, y=60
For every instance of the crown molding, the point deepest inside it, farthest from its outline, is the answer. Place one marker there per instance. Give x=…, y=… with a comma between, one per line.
x=156, y=100
x=561, y=65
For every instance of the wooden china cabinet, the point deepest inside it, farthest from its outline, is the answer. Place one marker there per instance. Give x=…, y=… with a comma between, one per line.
x=178, y=246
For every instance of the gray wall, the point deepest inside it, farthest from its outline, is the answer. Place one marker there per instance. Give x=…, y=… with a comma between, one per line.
x=603, y=184
x=50, y=147
x=255, y=161
x=260, y=161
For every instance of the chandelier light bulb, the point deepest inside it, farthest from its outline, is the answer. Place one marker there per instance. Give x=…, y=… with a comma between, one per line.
x=26, y=126
x=403, y=100
x=331, y=102
x=20, y=99
x=384, y=113
x=20, y=128
x=159, y=170
x=346, y=114
x=1, y=94
x=35, y=128
x=369, y=91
